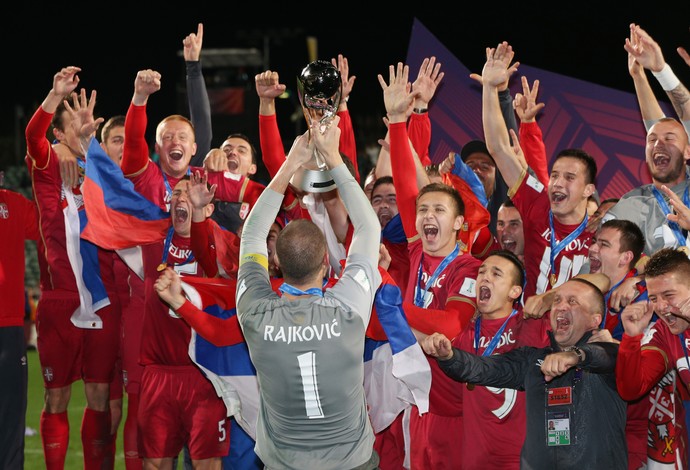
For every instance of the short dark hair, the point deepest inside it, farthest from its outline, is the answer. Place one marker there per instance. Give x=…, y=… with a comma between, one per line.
x=610, y=199
x=600, y=302
x=300, y=247
x=58, y=119
x=115, y=121
x=239, y=135
x=445, y=189
x=508, y=203
x=631, y=237
x=667, y=261
x=589, y=162
x=379, y=181
x=520, y=277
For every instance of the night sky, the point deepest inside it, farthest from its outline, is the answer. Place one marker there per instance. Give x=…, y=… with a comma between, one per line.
x=114, y=44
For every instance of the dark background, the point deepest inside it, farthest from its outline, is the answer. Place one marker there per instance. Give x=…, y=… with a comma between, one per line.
x=112, y=41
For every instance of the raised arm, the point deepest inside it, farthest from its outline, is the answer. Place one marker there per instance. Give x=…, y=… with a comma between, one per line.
x=135, y=153
x=527, y=108
x=399, y=100
x=367, y=230
x=649, y=106
x=268, y=88
x=496, y=70
x=256, y=227
x=83, y=121
x=648, y=53
x=197, y=96
x=419, y=126
x=348, y=144
x=65, y=82
x=505, y=99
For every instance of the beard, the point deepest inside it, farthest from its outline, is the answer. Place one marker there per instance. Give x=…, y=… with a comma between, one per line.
x=673, y=175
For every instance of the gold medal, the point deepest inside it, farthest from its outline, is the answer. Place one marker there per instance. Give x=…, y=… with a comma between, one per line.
x=161, y=267
x=685, y=250
x=470, y=387
x=552, y=279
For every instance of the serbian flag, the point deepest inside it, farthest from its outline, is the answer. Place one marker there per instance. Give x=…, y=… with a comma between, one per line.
x=229, y=368
x=396, y=371
x=118, y=216
x=462, y=178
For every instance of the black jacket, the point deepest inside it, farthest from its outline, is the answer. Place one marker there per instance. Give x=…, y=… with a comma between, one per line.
x=597, y=412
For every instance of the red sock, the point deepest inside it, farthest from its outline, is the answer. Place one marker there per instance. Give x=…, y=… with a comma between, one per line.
x=95, y=437
x=55, y=437
x=129, y=434
x=109, y=457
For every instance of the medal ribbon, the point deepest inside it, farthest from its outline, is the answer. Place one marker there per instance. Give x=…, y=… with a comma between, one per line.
x=677, y=231
x=419, y=297
x=166, y=250
x=558, y=247
x=494, y=341
x=286, y=288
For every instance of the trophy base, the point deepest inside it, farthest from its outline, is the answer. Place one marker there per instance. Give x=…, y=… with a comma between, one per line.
x=313, y=181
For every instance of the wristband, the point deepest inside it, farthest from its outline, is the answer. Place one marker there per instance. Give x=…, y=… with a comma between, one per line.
x=420, y=110
x=666, y=78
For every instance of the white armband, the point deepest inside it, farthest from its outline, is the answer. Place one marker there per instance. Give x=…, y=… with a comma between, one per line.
x=667, y=79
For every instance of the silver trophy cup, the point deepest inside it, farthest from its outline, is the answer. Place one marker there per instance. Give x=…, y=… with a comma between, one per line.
x=319, y=88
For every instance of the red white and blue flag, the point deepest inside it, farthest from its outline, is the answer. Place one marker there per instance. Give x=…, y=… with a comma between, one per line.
x=118, y=216
x=396, y=371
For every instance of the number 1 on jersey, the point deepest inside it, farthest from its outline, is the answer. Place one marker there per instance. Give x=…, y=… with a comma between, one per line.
x=310, y=386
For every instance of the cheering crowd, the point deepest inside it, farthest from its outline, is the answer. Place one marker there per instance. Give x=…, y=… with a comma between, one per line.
x=486, y=311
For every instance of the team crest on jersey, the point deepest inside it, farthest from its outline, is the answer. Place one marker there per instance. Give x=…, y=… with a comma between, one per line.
x=663, y=430
x=48, y=374
x=244, y=210
x=4, y=211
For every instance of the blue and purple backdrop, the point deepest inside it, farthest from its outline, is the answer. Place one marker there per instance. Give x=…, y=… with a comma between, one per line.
x=603, y=121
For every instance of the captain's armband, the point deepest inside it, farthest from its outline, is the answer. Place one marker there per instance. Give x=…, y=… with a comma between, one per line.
x=255, y=258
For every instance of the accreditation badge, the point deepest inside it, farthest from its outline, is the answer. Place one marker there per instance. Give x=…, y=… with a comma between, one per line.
x=558, y=428
x=559, y=396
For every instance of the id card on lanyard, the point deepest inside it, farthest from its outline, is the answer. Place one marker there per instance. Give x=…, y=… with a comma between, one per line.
x=558, y=418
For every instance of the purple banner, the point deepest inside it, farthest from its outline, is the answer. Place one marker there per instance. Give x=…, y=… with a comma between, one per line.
x=603, y=121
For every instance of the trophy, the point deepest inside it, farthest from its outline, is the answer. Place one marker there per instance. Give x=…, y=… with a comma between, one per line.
x=319, y=88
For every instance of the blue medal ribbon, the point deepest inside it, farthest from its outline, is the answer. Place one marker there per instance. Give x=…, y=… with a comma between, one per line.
x=675, y=228
x=421, y=293
x=606, y=302
x=166, y=251
x=557, y=247
x=497, y=337
x=286, y=288
x=168, y=189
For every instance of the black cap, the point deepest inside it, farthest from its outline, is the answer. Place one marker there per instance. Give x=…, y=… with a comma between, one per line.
x=474, y=146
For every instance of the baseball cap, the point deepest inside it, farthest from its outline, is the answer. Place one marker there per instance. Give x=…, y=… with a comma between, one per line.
x=474, y=146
